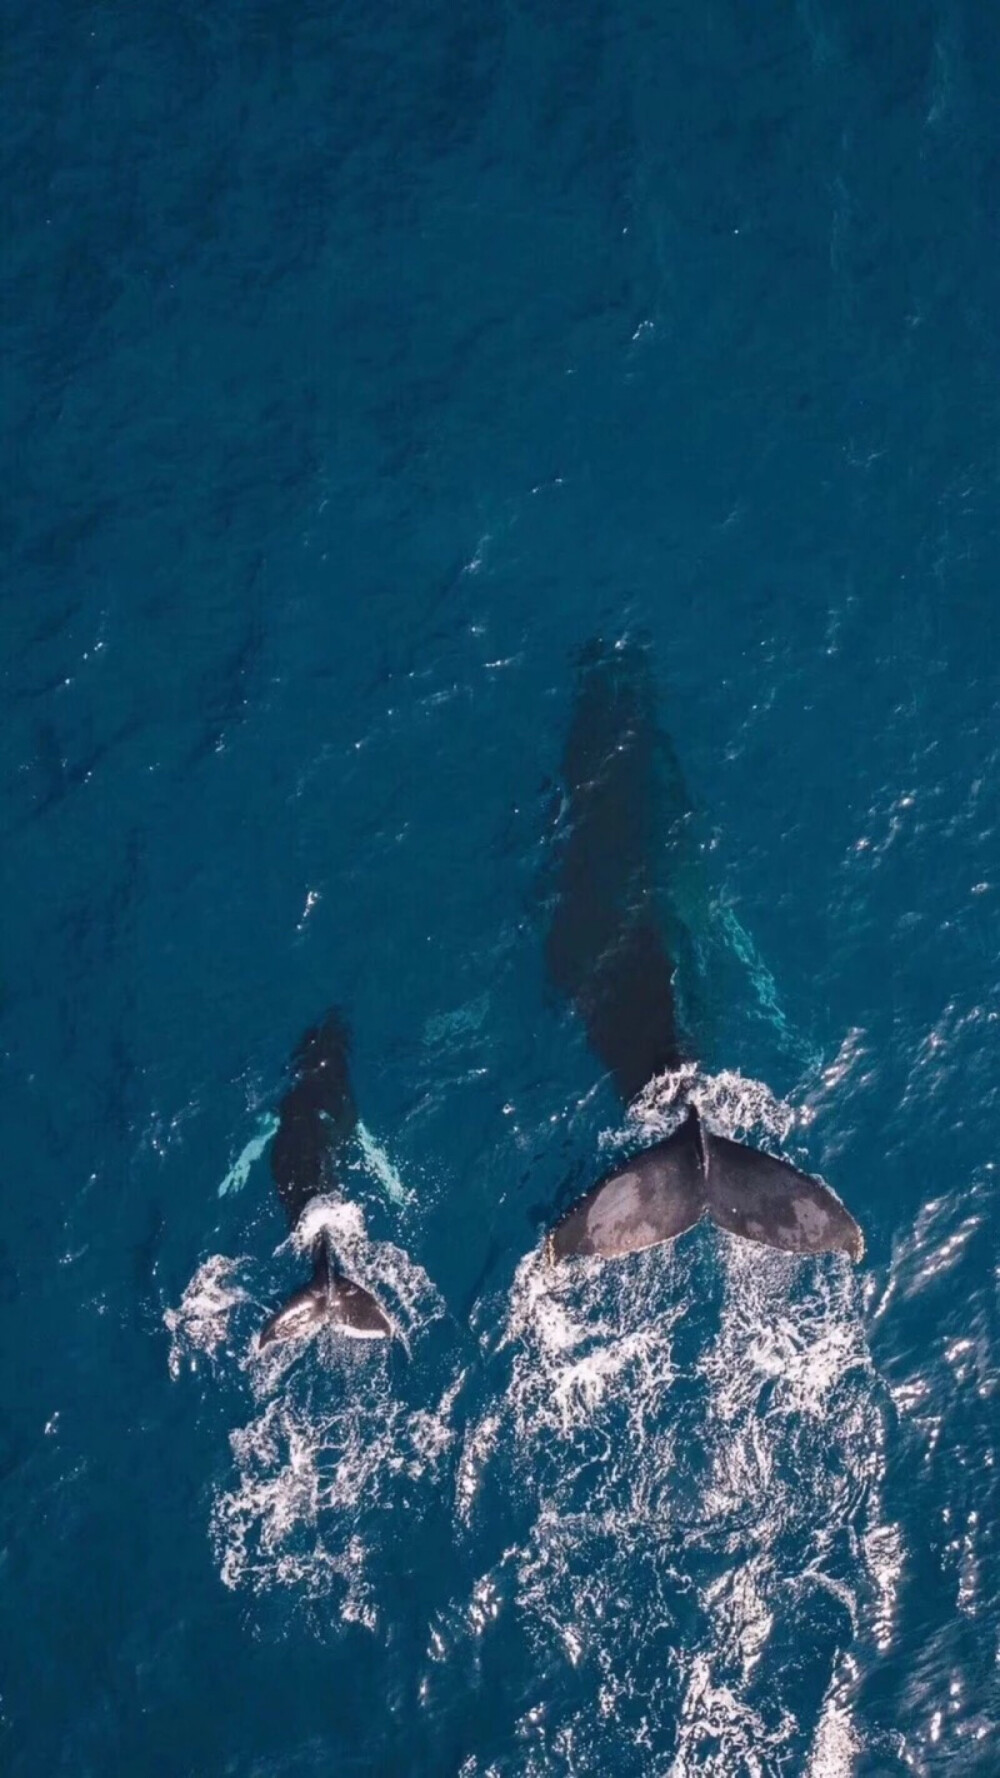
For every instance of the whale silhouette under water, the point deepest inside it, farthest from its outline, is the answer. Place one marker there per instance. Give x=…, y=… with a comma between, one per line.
x=317, y=1118
x=607, y=952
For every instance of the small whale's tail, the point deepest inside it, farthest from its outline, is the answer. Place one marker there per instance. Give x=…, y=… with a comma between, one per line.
x=317, y=1118
x=328, y=1300
x=670, y=1186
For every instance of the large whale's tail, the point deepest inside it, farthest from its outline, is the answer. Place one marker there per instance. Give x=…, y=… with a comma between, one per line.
x=328, y=1300
x=667, y=1188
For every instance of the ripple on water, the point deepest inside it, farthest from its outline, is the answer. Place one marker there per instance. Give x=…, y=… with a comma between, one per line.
x=934, y=1334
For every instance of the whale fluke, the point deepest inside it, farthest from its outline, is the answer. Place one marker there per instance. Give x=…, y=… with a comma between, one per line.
x=328, y=1300
x=655, y=1196
x=668, y=1187
x=765, y=1199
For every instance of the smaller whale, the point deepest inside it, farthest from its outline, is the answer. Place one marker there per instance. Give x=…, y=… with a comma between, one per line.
x=317, y=1118
x=328, y=1300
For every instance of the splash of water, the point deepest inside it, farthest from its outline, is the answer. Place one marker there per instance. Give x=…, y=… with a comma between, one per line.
x=200, y=1323
x=732, y=1103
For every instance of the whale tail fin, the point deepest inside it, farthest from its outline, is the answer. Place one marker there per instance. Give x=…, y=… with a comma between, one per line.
x=328, y=1300
x=655, y=1196
x=663, y=1191
x=762, y=1198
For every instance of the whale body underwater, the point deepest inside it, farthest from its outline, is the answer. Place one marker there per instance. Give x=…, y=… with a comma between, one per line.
x=317, y=1119
x=624, y=813
x=607, y=953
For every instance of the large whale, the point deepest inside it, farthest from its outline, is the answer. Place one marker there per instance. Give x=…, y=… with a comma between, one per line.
x=317, y=1118
x=607, y=952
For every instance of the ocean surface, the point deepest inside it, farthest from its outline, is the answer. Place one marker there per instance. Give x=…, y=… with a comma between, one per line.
x=359, y=365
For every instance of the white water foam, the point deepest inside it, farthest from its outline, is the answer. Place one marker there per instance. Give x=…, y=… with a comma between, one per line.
x=731, y=1103
x=200, y=1323
x=333, y=1452
x=836, y=1743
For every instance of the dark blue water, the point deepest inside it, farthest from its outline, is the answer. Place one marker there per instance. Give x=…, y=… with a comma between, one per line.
x=359, y=366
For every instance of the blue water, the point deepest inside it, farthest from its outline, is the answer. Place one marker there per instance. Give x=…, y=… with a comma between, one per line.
x=359, y=366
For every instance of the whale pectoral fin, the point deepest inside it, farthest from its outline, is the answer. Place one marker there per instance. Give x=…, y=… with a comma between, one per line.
x=656, y=1196
x=761, y=1198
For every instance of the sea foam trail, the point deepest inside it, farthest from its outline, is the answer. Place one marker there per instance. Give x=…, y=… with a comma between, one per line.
x=694, y=1440
x=337, y=1443
x=322, y=1473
